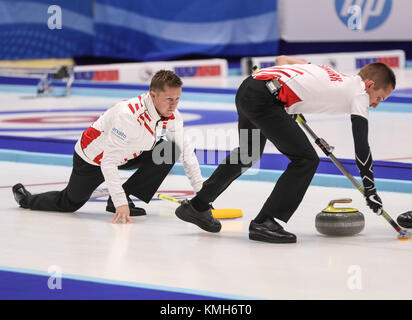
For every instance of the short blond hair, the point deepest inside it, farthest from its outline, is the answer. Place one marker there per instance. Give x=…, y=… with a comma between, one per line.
x=164, y=78
x=379, y=72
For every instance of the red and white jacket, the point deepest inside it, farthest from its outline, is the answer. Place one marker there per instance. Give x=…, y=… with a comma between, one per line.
x=127, y=129
x=311, y=88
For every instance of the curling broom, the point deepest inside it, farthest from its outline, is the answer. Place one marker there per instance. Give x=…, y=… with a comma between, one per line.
x=403, y=235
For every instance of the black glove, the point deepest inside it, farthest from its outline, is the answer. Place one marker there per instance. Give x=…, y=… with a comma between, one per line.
x=373, y=200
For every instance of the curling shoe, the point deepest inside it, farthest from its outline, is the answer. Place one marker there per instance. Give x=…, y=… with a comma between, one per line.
x=134, y=211
x=405, y=219
x=20, y=194
x=203, y=219
x=270, y=231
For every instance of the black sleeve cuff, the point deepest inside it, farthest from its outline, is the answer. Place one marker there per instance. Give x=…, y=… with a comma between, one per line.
x=363, y=154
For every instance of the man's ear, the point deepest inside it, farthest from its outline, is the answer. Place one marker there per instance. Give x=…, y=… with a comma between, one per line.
x=152, y=94
x=369, y=85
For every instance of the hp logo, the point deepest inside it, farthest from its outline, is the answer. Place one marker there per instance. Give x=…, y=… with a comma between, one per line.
x=363, y=14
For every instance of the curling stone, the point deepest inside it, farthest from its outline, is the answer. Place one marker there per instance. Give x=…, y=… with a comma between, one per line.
x=339, y=221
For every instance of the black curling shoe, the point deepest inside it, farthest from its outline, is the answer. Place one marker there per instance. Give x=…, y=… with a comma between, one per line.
x=134, y=211
x=20, y=194
x=270, y=231
x=405, y=219
x=203, y=219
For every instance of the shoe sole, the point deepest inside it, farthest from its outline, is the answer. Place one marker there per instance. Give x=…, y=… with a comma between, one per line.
x=17, y=186
x=258, y=237
x=197, y=222
x=14, y=190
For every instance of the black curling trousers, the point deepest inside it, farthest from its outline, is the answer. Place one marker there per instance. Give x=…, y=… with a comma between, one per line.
x=85, y=178
x=260, y=113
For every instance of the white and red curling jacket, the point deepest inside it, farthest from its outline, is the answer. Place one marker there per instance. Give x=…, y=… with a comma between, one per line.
x=311, y=88
x=127, y=129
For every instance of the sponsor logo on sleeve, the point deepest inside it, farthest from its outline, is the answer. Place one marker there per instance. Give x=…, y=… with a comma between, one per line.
x=119, y=133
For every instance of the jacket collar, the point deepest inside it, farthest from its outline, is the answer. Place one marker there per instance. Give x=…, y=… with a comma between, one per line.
x=152, y=109
x=172, y=117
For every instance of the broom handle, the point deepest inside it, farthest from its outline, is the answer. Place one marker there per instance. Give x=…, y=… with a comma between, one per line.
x=165, y=197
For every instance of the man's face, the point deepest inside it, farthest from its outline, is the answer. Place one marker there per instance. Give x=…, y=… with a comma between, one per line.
x=166, y=101
x=376, y=96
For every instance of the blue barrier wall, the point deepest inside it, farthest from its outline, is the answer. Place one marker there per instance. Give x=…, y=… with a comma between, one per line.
x=139, y=30
x=155, y=30
x=30, y=29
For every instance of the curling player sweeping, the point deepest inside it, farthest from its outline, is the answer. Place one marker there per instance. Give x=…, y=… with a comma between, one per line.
x=295, y=87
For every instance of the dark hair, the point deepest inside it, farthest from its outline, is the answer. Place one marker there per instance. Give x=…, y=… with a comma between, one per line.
x=165, y=77
x=379, y=72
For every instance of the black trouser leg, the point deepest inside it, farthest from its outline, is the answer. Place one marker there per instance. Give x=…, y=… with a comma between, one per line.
x=278, y=127
x=291, y=186
x=261, y=110
x=84, y=179
x=154, y=166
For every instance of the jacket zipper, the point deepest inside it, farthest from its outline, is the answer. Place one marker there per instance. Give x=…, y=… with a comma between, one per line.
x=155, y=130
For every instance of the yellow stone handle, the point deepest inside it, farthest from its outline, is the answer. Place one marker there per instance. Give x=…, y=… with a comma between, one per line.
x=345, y=200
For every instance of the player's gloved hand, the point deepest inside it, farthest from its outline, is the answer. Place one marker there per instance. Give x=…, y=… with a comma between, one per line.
x=373, y=201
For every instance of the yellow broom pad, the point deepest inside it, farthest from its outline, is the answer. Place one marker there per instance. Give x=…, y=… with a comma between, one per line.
x=227, y=213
